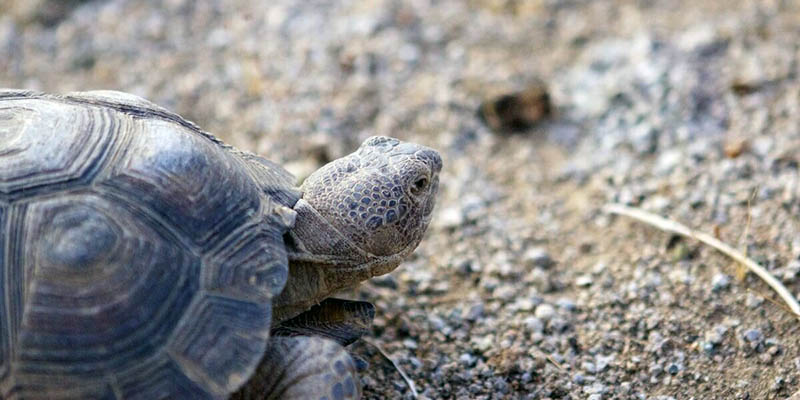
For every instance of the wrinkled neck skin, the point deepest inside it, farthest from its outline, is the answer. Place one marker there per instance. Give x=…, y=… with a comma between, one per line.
x=323, y=261
x=359, y=216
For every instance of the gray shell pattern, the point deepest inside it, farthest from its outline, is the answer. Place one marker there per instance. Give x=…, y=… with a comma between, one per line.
x=132, y=243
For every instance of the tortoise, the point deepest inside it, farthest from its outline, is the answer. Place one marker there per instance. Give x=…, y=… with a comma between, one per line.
x=142, y=257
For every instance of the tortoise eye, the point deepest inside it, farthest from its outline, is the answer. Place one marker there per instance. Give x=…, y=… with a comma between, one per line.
x=419, y=185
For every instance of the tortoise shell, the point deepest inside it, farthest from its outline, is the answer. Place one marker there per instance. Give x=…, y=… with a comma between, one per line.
x=138, y=254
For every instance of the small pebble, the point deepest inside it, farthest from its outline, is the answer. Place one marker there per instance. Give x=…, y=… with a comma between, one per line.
x=386, y=281
x=673, y=369
x=720, y=282
x=753, y=301
x=544, y=311
x=596, y=388
x=559, y=325
x=475, y=312
x=777, y=384
x=583, y=281
x=533, y=325
x=467, y=359
x=602, y=362
x=752, y=335
x=589, y=367
x=436, y=322
x=566, y=304
x=538, y=257
x=499, y=384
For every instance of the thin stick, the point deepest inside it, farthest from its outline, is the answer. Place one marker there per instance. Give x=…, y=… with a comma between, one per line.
x=749, y=217
x=741, y=272
x=552, y=360
x=775, y=302
x=409, y=382
x=672, y=226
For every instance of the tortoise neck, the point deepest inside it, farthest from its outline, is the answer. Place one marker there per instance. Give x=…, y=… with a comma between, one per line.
x=322, y=261
x=315, y=239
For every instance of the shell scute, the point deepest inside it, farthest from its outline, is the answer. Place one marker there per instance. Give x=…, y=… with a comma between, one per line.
x=43, y=149
x=138, y=255
x=191, y=182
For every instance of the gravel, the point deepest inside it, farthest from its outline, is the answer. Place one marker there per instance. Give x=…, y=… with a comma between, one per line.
x=523, y=287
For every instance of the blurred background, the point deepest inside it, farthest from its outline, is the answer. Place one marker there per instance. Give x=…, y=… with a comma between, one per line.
x=544, y=110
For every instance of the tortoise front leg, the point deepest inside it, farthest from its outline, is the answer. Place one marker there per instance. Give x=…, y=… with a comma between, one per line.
x=305, y=357
x=303, y=367
x=340, y=320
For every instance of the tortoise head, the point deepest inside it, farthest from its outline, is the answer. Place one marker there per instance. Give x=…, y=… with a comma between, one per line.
x=360, y=216
x=380, y=197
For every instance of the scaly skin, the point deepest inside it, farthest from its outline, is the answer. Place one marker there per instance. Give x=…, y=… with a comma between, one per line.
x=360, y=216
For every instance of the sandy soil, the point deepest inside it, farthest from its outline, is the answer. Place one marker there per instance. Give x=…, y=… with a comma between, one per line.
x=523, y=287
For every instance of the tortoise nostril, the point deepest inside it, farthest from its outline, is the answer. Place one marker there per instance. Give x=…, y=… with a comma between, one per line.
x=432, y=158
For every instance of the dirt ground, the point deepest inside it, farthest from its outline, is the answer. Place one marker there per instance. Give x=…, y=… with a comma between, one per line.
x=523, y=287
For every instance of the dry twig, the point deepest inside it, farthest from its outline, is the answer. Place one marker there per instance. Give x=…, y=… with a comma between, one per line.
x=675, y=227
x=408, y=380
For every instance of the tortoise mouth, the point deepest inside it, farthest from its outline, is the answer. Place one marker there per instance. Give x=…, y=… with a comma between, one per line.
x=317, y=241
